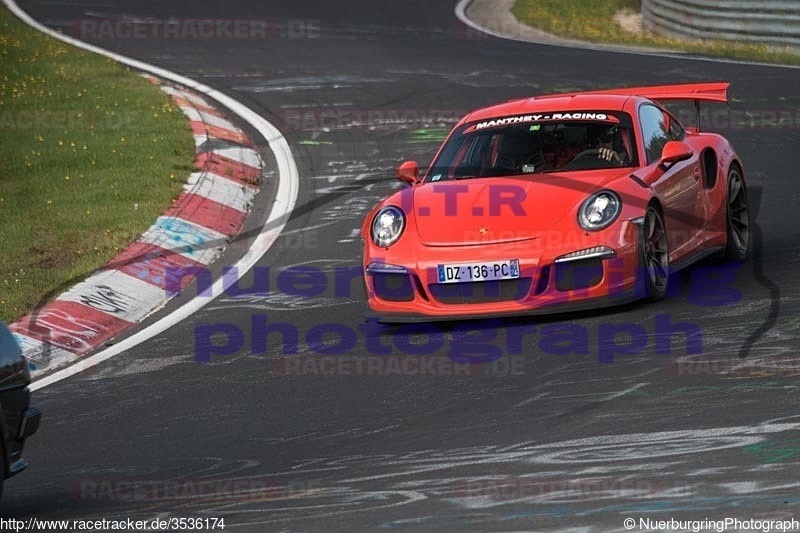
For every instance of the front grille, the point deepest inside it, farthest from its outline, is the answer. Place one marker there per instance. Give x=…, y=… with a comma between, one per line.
x=576, y=275
x=393, y=287
x=481, y=292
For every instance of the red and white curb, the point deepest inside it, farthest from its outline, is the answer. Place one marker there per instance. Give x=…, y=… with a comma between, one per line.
x=209, y=211
x=286, y=193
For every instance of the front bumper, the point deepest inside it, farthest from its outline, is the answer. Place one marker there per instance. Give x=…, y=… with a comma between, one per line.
x=407, y=290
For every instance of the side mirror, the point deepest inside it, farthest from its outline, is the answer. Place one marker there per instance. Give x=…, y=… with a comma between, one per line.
x=408, y=172
x=674, y=152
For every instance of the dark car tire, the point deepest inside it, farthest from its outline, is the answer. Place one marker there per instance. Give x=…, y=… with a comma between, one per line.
x=737, y=221
x=654, y=255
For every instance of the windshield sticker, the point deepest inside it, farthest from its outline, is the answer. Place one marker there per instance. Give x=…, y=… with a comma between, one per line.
x=550, y=117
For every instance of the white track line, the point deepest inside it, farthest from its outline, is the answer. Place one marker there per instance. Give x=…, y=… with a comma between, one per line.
x=461, y=14
x=285, y=199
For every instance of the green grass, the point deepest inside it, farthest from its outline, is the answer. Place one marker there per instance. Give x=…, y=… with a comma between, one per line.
x=593, y=21
x=90, y=154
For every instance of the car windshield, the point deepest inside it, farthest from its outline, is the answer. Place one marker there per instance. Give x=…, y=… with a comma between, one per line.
x=534, y=144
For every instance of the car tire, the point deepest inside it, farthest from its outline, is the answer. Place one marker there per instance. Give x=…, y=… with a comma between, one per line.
x=737, y=220
x=654, y=261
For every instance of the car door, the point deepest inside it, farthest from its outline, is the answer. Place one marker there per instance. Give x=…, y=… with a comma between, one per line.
x=679, y=185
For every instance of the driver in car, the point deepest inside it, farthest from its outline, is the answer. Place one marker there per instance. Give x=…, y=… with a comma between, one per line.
x=608, y=143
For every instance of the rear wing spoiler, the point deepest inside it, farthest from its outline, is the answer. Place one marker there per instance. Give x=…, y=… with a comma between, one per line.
x=716, y=91
x=698, y=92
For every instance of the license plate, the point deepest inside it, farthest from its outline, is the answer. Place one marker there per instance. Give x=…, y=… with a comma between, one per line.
x=471, y=272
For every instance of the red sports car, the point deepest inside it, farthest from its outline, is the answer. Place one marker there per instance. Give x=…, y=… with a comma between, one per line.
x=557, y=203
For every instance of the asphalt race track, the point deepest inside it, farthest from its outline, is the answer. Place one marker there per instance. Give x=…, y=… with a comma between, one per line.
x=538, y=441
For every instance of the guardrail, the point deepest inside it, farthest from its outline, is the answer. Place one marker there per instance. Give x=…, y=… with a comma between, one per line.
x=772, y=22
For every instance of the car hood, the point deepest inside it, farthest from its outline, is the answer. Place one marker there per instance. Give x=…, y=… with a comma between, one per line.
x=498, y=210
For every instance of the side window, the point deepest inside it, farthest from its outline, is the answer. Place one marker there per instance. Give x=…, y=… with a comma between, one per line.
x=472, y=156
x=655, y=132
x=676, y=131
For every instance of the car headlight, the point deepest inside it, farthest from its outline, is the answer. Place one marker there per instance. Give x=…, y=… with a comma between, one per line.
x=387, y=226
x=599, y=210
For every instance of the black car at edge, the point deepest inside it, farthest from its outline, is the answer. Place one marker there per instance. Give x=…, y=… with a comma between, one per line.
x=18, y=418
